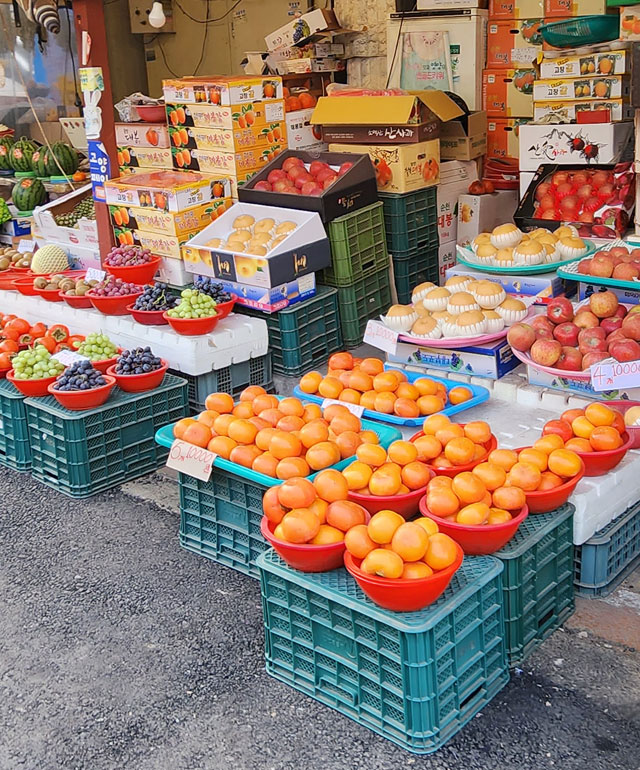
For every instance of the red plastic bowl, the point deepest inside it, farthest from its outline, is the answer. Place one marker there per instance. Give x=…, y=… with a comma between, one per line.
x=151, y=113
x=76, y=301
x=451, y=472
x=550, y=499
x=406, y=505
x=31, y=387
x=51, y=295
x=76, y=400
x=224, y=308
x=480, y=539
x=25, y=286
x=303, y=556
x=599, y=463
x=7, y=277
x=103, y=365
x=402, y=595
x=113, y=305
x=633, y=430
x=191, y=327
x=3, y=373
x=136, y=383
x=147, y=317
x=140, y=274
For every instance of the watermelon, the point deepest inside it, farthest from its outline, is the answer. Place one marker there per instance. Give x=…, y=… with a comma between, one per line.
x=20, y=155
x=66, y=157
x=6, y=143
x=38, y=164
x=28, y=193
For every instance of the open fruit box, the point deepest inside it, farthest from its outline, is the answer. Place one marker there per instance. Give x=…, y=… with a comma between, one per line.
x=597, y=199
x=351, y=191
x=86, y=232
x=298, y=246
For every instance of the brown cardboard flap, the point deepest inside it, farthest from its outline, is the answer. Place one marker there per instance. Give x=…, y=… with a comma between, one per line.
x=378, y=110
x=476, y=124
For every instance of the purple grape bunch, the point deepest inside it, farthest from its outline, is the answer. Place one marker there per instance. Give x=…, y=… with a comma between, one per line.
x=114, y=287
x=127, y=256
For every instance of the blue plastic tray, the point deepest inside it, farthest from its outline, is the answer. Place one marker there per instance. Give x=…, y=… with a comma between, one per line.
x=480, y=395
x=570, y=273
x=165, y=438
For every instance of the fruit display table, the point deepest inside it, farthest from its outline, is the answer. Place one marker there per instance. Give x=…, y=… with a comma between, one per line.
x=235, y=339
x=517, y=412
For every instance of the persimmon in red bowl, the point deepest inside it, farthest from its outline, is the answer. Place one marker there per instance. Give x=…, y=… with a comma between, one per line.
x=406, y=505
x=452, y=471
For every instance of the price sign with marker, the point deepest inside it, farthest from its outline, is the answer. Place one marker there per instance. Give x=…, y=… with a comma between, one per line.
x=381, y=337
x=614, y=375
x=192, y=460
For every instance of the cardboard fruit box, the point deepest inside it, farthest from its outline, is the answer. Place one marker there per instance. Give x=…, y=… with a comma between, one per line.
x=227, y=140
x=563, y=112
x=86, y=232
x=142, y=134
x=166, y=190
x=233, y=117
x=554, y=89
x=608, y=218
x=503, y=137
x=513, y=42
x=596, y=64
x=507, y=93
x=415, y=117
x=277, y=298
x=165, y=222
x=158, y=244
x=304, y=250
x=144, y=157
x=222, y=90
x=350, y=192
x=241, y=164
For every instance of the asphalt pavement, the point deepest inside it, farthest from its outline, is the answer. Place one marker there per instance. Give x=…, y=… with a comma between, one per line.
x=121, y=651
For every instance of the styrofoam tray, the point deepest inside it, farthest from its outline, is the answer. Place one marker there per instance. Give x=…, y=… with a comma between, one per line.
x=235, y=339
x=517, y=411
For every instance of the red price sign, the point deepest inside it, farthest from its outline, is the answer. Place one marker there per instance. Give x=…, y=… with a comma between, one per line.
x=614, y=375
x=190, y=459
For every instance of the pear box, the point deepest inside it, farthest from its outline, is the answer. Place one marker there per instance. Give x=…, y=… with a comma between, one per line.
x=304, y=249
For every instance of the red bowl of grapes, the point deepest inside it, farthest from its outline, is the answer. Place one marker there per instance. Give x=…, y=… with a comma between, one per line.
x=132, y=263
x=75, y=400
x=113, y=296
x=148, y=317
x=191, y=327
x=136, y=383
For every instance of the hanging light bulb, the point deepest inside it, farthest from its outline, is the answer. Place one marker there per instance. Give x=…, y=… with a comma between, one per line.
x=157, y=17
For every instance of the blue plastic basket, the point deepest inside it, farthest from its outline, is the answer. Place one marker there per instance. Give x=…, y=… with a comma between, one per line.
x=415, y=678
x=387, y=435
x=480, y=395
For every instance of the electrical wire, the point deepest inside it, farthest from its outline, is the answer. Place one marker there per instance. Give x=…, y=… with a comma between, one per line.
x=78, y=101
x=166, y=63
x=207, y=20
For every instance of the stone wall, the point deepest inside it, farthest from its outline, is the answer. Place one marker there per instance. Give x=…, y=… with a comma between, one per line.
x=367, y=52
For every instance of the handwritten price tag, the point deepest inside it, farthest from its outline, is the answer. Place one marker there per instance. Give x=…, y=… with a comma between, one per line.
x=381, y=337
x=353, y=408
x=613, y=375
x=68, y=357
x=190, y=459
x=26, y=245
x=93, y=274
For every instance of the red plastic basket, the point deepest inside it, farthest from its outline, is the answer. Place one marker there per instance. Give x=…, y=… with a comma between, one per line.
x=25, y=287
x=550, y=499
x=481, y=539
x=137, y=383
x=76, y=400
x=599, y=463
x=191, y=327
x=148, y=317
x=224, y=308
x=139, y=274
x=7, y=277
x=406, y=505
x=113, y=305
x=103, y=365
x=31, y=387
x=451, y=472
x=51, y=295
x=402, y=595
x=76, y=301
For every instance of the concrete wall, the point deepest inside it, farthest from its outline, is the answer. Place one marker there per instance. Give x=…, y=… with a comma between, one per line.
x=367, y=66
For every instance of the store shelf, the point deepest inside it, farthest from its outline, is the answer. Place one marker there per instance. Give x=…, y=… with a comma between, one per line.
x=235, y=339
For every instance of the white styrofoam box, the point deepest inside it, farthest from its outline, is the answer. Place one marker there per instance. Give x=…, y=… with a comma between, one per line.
x=235, y=339
x=174, y=272
x=455, y=178
x=300, y=132
x=85, y=235
x=525, y=181
x=517, y=412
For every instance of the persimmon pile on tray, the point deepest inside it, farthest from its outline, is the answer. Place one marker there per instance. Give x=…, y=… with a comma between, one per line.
x=598, y=428
x=364, y=382
x=392, y=548
x=280, y=438
x=544, y=466
x=384, y=472
x=446, y=444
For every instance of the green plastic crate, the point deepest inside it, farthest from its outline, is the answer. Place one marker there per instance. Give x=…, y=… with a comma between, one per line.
x=220, y=519
x=85, y=452
x=358, y=246
x=411, y=220
x=15, y=451
x=230, y=379
x=414, y=678
x=538, y=580
x=413, y=268
x=606, y=559
x=358, y=303
x=303, y=336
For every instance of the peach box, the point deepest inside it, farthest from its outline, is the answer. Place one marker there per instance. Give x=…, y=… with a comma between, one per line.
x=561, y=89
x=223, y=90
x=503, y=137
x=226, y=139
x=508, y=93
x=142, y=134
x=630, y=22
x=232, y=117
x=157, y=243
x=513, y=43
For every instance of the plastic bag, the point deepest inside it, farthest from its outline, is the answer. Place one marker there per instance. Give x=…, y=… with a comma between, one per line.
x=127, y=107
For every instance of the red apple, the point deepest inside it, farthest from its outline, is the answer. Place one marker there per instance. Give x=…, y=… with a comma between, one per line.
x=283, y=186
x=625, y=272
x=559, y=428
x=290, y=162
x=302, y=179
x=567, y=333
x=311, y=188
x=586, y=319
x=618, y=251
x=325, y=173
x=545, y=352
x=625, y=350
x=276, y=174
x=635, y=253
x=344, y=168
x=616, y=334
x=584, y=267
x=601, y=266
x=603, y=304
x=521, y=336
x=263, y=185
x=595, y=356
x=541, y=321
x=631, y=326
x=329, y=181
x=570, y=359
x=560, y=310
x=621, y=311
x=592, y=339
x=316, y=166
x=296, y=171
x=611, y=324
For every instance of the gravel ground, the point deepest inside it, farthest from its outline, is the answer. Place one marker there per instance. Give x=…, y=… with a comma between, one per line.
x=119, y=650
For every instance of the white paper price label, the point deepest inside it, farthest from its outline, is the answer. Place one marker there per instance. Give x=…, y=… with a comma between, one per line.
x=68, y=357
x=613, y=375
x=353, y=408
x=378, y=335
x=93, y=274
x=190, y=459
x=26, y=245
